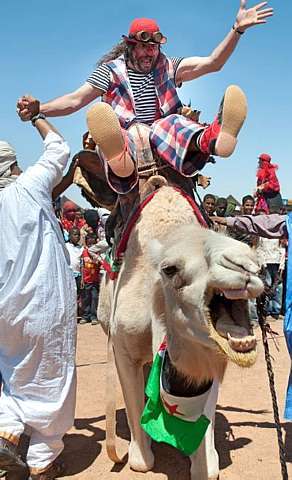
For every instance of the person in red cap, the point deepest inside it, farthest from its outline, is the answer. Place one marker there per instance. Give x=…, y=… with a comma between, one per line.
x=268, y=196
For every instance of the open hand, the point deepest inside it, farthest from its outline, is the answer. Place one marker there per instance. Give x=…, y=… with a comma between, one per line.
x=248, y=17
x=204, y=181
x=27, y=107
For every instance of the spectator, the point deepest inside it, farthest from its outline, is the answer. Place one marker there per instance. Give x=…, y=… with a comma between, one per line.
x=69, y=211
x=37, y=312
x=75, y=251
x=247, y=208
x=209, y=201
x=247, y=205
x=90, y=281
x=272, y=256
x=268, y=197
x=221, y=207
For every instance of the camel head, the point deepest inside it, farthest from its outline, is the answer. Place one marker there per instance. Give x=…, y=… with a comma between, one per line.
x=203, y=281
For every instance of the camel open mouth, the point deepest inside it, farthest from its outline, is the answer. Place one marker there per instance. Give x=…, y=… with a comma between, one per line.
x=229, y=326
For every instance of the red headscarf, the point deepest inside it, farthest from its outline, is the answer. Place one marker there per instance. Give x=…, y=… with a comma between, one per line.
x=69, y=219
x=266, y=174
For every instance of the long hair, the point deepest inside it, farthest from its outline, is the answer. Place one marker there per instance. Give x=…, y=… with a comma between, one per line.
x=117, y=50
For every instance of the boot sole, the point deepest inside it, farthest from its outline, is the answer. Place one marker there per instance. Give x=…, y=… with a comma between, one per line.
x=106, y=132
x=233, y=116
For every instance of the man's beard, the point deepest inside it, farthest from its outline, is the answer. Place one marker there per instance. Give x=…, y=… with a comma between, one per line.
x=145, y=65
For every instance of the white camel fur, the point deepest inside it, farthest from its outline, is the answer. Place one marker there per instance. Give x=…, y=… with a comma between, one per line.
x=170, y=274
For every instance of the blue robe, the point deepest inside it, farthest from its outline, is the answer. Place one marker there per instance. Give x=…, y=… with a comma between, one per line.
x=288, y=317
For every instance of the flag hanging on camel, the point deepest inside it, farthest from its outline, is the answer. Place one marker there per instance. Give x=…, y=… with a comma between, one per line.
x=288, y=316
x=179, y=421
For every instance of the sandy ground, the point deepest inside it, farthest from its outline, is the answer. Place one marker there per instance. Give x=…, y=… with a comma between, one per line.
x=245, y=436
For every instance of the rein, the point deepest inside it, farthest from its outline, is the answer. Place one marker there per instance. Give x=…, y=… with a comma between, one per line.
x=262, y=303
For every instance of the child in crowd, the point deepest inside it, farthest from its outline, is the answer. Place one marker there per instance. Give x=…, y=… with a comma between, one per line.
x=75, y=251
x=90, y=269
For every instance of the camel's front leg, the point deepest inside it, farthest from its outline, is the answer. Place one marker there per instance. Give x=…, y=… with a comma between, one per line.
x=205, y=462
x=131, y=377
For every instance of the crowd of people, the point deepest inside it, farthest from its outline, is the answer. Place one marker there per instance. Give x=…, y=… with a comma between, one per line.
x=85, y=241
x=140, y=115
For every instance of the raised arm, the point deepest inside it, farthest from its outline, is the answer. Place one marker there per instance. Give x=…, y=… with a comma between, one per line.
x=65, y=105
x=194, y=67
x=66, y=181
x=268, y=226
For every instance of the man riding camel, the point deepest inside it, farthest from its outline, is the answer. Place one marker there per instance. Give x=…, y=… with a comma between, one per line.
x=139, y=112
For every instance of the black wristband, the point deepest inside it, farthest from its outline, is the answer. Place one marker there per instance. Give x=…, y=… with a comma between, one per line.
x=37, y=117
x=237, y=31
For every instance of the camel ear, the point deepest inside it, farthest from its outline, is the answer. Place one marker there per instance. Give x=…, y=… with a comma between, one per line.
x=155, y=252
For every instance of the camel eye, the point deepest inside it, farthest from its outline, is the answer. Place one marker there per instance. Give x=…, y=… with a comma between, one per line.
x=170, y=270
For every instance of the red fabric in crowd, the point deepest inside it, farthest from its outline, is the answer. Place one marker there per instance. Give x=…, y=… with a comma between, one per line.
x=267, y=174
x=90, y=269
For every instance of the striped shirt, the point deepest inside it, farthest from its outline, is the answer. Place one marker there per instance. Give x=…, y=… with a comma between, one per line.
x=143, y=88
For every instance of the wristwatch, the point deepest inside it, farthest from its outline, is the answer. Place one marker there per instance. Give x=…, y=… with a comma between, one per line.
x=37, y=117
x=240, y=32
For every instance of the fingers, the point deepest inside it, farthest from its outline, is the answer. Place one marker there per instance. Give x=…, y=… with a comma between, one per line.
x=263, y=12
x=19, y=103
x=263, y=15
x=25, y=115
x=266, y=10
x=27, y=106
x=260, y=5
x=29, y=98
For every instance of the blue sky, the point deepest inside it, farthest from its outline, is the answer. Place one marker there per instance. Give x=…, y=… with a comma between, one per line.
x=48, y=49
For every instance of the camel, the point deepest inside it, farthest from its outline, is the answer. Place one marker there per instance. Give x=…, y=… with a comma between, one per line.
x=187, y=283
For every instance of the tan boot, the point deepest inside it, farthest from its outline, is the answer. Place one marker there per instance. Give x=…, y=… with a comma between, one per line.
x=105, y=129
x=220, y=138
x=231, y=117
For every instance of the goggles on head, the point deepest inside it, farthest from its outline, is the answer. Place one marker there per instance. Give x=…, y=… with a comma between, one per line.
x=146, y=37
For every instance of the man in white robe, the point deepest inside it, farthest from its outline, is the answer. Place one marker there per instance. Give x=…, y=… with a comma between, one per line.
x=37, y=312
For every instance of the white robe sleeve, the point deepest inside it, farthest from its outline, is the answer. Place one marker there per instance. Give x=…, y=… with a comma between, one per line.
x=48, y=171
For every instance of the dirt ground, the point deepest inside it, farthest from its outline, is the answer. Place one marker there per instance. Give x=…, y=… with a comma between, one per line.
x=245, y=436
